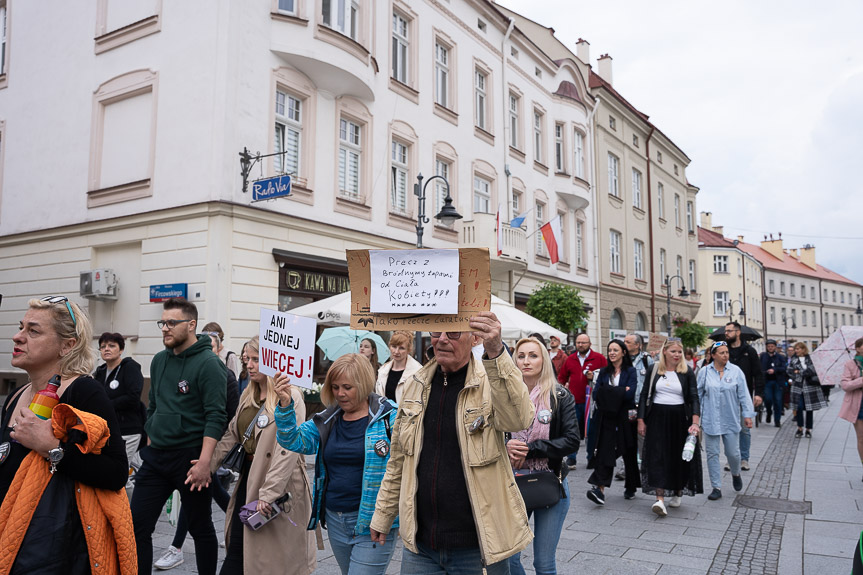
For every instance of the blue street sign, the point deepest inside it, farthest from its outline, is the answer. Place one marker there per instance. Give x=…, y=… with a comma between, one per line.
x=277, y=187
x=165, y=292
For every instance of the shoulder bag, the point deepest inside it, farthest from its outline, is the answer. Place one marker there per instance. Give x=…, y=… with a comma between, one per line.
x=540, y=489
x=234, y=458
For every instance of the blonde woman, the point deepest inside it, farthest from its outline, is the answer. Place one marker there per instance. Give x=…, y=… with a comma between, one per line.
x=552, y=435
x=668, y=411
x=393, y=374
x=268, y=473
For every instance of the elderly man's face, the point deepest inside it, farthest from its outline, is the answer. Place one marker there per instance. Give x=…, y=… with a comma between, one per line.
x=453, y=354
x=631, y=344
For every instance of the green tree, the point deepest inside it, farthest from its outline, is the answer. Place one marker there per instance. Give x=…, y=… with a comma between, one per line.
x=692, y=334
x=558, y=305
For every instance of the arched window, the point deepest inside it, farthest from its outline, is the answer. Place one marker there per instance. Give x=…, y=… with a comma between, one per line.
x=640, y=321
x=663, y=324
x=616, y=319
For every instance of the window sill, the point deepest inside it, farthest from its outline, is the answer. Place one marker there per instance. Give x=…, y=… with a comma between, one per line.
x=127, y=34
x=445, y=233
x=280, y=17
x=615, y=200
x=120, y=193
x=638, y=212
x=404, y=91
x=402, y=221
x=487, y=137
x=445, y=113
x=562, y=174
x=563, y=266
x=540, y=167
x=641, y=284
x=352, y=207
x=517, y=154
x=542, y=260
x=302, y=194
x=346, y=43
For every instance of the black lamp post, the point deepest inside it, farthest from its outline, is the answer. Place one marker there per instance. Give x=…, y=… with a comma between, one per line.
x=741, y=313
x=448, y=214
x=785, y=325
x=682, y=293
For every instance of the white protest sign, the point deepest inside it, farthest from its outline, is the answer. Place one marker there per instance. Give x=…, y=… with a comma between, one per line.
x=287, y=345
x=414, y=281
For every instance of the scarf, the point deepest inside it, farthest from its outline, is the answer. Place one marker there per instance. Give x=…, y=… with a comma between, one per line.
x=859, y=360
x=537, y=430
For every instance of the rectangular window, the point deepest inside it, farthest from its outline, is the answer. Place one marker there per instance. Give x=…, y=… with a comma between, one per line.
x=537, y=137
x=400, y=48
x=771, y=286
x=513, y=120
x=288, y=6
x=720, y=303
x=843, y=319
x=662, y=268
x=516, y=203
x=578, y=154
x=677, y=210
x=803, y=317
x=772, y=314
x=841, y=296
x=814, y=319
x=559, y=152
x=342, y=16
x=288, y=134
x=612, y=123
x=540, y=221
x=660, y=200
x=825, y=294
x=636, y=188
x=834, y=297
x=680, y=266
x=658, y=156
x=350, y=156
x=2, y=38
x=480, y=96
x=638, y=259
x=441, y=77
x=720, y=264
x=826, y=320
x=614, y=251
x=835, y=321
x=793, y=316
x=481, y=195
x=441, y=168
x=634, y=140
x=579, y=243
x=739, y=267
x=690, y=218
x=692, y=276
x=781, y=288
x=792, y=290
x=802, y=291
x=612, y=176
x=399, y=192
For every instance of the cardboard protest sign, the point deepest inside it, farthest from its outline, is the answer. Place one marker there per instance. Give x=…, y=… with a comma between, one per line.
x=405, y=282
x=474, y=294
x=655, y=342
x=287, y=345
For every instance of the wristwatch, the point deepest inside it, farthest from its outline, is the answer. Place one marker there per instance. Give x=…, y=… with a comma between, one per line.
x=55, y=456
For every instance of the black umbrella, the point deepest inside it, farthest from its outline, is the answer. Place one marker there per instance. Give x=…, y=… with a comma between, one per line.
x=746, y=334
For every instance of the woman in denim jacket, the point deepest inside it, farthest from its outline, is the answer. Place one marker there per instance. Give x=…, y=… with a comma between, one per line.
x=351, y=441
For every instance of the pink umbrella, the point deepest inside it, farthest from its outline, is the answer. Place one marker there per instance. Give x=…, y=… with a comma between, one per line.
x=830, y=357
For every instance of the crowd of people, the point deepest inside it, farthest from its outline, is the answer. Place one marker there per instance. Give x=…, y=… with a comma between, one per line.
x=427, y=453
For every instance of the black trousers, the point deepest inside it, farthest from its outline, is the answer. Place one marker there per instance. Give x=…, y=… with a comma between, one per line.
x=611, y=441
x=233, y=564
x=163, y=471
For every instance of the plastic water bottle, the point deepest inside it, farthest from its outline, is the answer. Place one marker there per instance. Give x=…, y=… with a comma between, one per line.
x=689, y=448
x=44, y=401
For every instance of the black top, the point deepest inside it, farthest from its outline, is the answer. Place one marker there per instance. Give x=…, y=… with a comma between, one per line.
x=443, y=510
x=392, y=383
x=345, y=458
x=746, y=358
x=108, y=470
x=125, y=395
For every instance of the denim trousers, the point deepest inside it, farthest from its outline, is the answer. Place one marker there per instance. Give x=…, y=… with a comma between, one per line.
x=547, y=526
x=357, y=555
x=163, y=471
x=732, y=453
x=579, y=414
x=448, y=562
x=801, y=409
x=773, y=391
x=745, y=440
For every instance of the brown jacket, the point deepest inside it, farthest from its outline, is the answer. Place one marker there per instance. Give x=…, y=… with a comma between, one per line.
x=279, y=546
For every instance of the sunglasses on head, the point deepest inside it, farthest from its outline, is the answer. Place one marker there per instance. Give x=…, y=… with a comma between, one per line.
x=718, y=344
x=52, y=299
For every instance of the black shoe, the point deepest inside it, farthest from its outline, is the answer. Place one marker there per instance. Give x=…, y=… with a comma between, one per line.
x=714, y=495
x=769, y=416
x=596, y=496
x=798, y=434
x=629, y=494
x=590, y=464
x=620, y=476
x=777, y=423
x=808, y=434
x=737, y=481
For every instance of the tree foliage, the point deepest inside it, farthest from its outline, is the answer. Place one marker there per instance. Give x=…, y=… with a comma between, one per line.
x=691, y=333
x=558, y=305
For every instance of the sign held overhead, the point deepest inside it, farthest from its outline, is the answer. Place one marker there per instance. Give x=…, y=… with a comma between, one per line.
x=287, y=345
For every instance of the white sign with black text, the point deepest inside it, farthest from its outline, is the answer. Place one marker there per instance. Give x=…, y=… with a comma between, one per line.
x=287, y=345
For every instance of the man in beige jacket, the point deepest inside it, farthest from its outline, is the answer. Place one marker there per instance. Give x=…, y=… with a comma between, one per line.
x=449, y=478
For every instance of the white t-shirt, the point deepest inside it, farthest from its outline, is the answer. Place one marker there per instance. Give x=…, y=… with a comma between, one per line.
x=669, y=390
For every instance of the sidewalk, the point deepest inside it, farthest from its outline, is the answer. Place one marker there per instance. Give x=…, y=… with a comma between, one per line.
x=799, y=512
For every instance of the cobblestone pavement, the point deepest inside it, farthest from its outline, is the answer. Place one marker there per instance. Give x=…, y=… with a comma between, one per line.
x=700, y=537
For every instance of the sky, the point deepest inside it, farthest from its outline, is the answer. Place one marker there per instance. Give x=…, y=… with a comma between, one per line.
x=766, y=99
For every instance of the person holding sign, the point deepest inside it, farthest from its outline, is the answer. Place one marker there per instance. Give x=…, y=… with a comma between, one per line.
x=268, y=472
x=351, y=441
x=449, y=478
x=393, y=374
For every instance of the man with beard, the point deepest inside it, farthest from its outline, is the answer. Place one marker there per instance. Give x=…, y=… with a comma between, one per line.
x=746, y=358
x=556, y=354
x=185, y=419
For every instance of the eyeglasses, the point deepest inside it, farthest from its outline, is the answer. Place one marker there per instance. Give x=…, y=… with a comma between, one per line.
x=171, y=323
x=718, y=344
x=61, y=299
x=453, y=335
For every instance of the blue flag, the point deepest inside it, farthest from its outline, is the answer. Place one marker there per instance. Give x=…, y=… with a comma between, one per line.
x=518, y=220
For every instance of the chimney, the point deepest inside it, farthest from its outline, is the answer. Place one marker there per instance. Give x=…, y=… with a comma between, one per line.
x=582, y=50
x=719, y=230
x=604, y=68
x=707, y=220
x=774, y=248
x=807, y=256
x=740, y=239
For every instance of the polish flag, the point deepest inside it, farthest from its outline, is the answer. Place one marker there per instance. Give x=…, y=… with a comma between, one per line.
x=551, y=234
x=500, y=219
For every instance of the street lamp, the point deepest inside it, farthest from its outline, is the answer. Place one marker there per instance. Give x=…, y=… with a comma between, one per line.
x=448, y=213
x=682, y=293
x=785, y=325
x=741, y=313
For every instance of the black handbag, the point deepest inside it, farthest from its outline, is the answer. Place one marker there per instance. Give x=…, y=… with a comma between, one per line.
x=235, y=457
x=540, y=489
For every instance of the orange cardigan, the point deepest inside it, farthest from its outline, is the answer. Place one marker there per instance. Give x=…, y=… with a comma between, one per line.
x=105, y=514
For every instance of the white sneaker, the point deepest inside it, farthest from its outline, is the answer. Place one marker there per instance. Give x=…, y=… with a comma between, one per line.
x=659, y=508
x=170, y=559
x=674, y=502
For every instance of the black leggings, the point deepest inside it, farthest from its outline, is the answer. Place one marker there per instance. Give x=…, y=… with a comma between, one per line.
x=234, y=555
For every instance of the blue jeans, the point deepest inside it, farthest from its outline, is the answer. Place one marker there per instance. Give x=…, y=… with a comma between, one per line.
x=773, y=391
x=579, y=415
x=448, y=562
x=547, y=526
x=745, y=440
x=357, y=555
x=732, y=453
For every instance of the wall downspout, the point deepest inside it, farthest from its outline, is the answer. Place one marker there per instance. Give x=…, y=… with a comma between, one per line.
x=743, y=264
x=591, y=126
x=650, y=236
x=504, y=110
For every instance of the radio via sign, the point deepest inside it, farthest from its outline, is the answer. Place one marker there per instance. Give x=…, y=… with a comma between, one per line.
x=270, y=188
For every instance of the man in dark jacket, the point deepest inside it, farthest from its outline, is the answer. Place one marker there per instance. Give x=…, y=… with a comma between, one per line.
x=577, y=375
x=773, y=367
x=185, y=419
x=746, y=358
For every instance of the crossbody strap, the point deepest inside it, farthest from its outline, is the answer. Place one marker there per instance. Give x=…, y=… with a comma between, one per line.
x=248, y=432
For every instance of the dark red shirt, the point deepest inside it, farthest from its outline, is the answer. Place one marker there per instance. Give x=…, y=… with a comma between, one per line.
x=572, y=373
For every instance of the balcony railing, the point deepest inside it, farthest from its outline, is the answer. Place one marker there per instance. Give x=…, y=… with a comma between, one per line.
x=481, y=233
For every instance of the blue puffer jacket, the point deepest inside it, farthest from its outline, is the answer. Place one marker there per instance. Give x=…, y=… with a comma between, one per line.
x=311, y=437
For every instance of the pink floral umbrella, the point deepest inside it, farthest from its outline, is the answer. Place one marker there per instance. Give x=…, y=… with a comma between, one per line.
x=830, y=357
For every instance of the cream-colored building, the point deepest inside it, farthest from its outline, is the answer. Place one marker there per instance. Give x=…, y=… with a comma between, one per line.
x=730, y=279
x=124, y=153
x=647, y=228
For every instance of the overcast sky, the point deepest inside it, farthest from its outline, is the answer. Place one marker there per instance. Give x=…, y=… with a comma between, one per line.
x=766, y=98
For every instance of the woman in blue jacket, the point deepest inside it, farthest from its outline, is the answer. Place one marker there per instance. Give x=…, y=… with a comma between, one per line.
x=351, y=441
x=614, y=416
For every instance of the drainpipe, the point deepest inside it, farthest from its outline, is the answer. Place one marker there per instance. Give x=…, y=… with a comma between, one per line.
x=504, y=109
x=650, y=236
x=590, y=126
x=743, y=264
